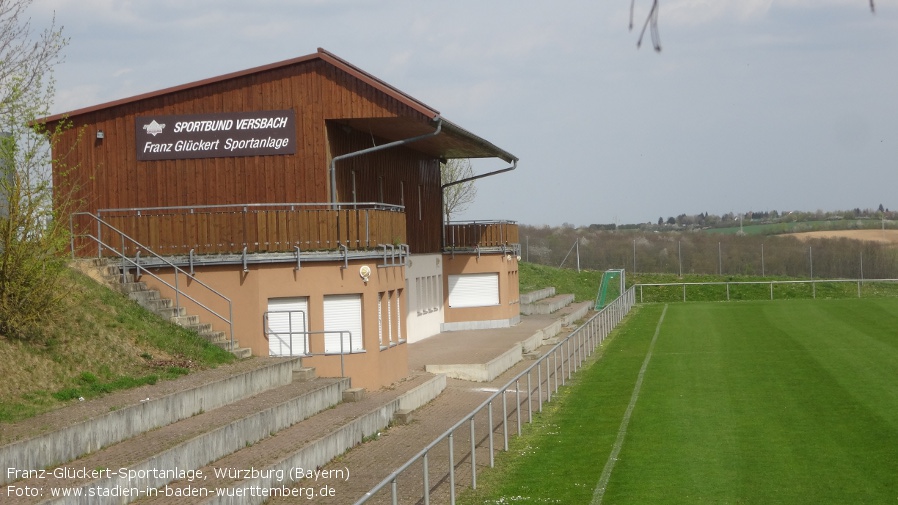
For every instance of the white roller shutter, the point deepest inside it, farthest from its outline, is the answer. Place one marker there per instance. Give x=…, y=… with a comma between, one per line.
x=342, y=313
x=287, y=326
x=473, y=290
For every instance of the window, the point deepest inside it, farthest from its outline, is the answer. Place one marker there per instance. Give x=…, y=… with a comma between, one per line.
x=473, y=290
x=390, y=317
x=287, y=326
x=429, y=294
x=380, y=319
x=399, y=316
x=343, y=324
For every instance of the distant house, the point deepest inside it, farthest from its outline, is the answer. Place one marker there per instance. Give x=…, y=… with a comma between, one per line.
x=307, y=194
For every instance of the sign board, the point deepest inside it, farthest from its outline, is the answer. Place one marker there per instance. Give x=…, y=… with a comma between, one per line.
x=220, y=135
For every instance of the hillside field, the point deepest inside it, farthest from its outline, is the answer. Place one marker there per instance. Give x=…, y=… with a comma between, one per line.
x=882, y=236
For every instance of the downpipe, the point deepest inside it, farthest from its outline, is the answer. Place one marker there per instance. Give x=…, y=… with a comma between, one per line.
x=514, y=165
x=397, y=143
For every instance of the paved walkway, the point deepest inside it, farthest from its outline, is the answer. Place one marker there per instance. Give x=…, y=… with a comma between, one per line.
x=472, y=346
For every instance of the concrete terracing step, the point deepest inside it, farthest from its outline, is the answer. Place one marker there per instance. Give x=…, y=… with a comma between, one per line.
x=535, y=296
x=155, y=457
x=574, y=312
x=60, y=436
x=272, y=462
x=547, y=305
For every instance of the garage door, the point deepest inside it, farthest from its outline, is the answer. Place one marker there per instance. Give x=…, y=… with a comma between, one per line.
x=342, y=313
x=473, y=290
x=287, y=324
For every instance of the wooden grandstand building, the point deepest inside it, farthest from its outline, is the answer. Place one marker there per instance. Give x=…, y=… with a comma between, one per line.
x=301, y=204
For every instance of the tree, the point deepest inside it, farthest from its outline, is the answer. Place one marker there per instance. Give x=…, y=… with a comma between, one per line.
x=457, y=197
x=33, y=237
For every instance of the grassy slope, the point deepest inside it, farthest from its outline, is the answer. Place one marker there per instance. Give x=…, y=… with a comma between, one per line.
x=101, y=341
x=758, y=402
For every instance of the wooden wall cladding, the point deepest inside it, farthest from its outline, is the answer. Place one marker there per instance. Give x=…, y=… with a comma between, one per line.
x=108, y=175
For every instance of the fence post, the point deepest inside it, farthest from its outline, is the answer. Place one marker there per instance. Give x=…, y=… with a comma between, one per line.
x=426, y=480
x=451, y=469
x=539, y=385
x=529, y=399
x=505, y=419
x=473, y=456
x=490, y=420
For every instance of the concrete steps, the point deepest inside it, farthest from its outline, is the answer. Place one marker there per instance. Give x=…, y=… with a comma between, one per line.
x=544, y=301
x=88, y=427
x=150, y=299
x=198, y=440
x=272, y=417
x=307, y=445
x=549, y=315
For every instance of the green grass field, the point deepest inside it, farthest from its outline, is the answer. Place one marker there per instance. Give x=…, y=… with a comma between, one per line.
x=792, y=401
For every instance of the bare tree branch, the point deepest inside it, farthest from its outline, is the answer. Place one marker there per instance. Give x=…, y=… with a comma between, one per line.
x=24, y=59
x=457, y=197
x=651, y=19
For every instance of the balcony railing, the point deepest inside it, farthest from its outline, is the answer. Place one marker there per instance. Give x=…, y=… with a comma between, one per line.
x=260, y=228
x=481, y=236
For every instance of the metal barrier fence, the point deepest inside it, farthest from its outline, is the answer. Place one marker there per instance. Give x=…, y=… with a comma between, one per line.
x=127, y=243
x=542, y=379
x=812, y=283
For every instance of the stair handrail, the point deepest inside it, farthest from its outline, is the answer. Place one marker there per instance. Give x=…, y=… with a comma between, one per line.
x=177, y=270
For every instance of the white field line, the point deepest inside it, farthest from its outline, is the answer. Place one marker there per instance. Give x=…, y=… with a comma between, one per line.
x=599, y=492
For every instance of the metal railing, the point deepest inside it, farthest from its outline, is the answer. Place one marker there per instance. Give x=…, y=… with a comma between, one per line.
x=304, y=335
x=559, y=364
x=469, y=235
x=263, y=227
x=159, y=262
x=727, y=285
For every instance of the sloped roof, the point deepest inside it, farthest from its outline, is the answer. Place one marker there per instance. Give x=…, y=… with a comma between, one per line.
x=452, y=142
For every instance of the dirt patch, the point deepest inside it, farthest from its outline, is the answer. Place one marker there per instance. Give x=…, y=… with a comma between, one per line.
x=881, y=236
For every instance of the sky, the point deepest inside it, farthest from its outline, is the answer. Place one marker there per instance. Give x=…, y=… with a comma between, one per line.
x=752, y=105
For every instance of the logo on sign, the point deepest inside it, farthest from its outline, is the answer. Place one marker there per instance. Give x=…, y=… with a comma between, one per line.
x=154, y=128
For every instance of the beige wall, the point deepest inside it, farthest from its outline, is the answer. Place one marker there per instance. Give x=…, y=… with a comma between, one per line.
x=249, y=293
x=506, y=265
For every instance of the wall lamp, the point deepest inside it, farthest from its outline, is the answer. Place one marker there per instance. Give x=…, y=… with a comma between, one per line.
x=100, y=135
